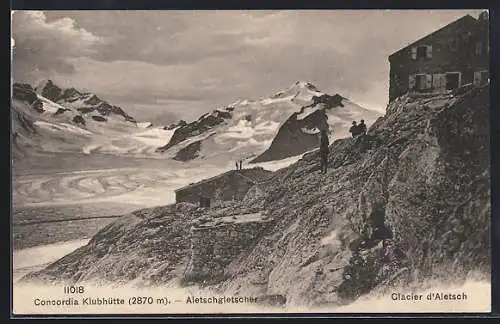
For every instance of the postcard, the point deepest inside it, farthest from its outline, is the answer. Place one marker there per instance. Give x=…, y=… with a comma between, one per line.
x=250, y=162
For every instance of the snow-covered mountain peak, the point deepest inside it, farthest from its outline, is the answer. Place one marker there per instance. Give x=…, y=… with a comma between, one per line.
x=306, y=85
x=300, y=90
x=83, y=102
x=247, y=129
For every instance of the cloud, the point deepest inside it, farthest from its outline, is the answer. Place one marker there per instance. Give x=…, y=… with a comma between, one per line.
x=43, y=47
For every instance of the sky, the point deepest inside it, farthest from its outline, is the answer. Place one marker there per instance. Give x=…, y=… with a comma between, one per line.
x=163, y=66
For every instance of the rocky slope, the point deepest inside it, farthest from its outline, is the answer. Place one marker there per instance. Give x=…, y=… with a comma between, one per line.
x=409, y=203
x=281, y=126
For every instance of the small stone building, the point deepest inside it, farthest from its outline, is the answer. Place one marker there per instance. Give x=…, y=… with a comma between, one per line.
x=231, y=185
x=453, y=56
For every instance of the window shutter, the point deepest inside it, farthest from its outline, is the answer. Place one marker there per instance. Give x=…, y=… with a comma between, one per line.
x=477, y=78
x=413, y=53
x=428, y=84
x=411, y=82
x=429, y=52
x=441, y=77
x=436, y=81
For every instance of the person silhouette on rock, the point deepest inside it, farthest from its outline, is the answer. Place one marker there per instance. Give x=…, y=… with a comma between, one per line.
x=354, y=130
x=362, y=127
x=323, y=150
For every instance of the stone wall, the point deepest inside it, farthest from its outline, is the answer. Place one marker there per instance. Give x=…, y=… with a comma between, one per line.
x=215, y=245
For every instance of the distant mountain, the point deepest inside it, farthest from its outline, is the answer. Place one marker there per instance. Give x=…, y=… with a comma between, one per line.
x=50, y=119
x=83, y=102
x=283, y=125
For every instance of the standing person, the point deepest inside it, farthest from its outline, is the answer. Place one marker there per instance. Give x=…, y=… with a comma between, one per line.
x=354, y=130
x=323, y=150
x=362, y=127
x=237, y=168
x=241, y=164
x=362, y=133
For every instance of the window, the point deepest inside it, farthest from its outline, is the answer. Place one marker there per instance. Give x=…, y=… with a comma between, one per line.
x=421, y=52
x=420, y=81
x=479, y=48
x=481, y=77
x=485, y=77
x=453, y=80
x=439, y=81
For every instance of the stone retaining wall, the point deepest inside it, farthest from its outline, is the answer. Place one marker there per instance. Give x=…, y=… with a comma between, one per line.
x=214, y=247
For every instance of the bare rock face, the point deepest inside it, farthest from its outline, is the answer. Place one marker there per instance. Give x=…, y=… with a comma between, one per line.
x=181, y=123
x=291, y=140
x=26, y=93
x=99, y=118
x=23, y=92
x=187, y=130
x=78, y=119
x=189, y=152
x=410, y=201
x=87, y=102
x=50, y=91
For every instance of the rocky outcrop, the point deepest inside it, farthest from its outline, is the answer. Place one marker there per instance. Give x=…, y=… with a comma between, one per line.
x=60, y=111
x=78, y=119
x=189, y=152
x=70, y=94
x=200, y=126
x=23, y=92
x=408, y=203
x=50, y=91
x=175, y=125
x=26, y=93
x=327, y=100
x=291, y=139
x=99, y=118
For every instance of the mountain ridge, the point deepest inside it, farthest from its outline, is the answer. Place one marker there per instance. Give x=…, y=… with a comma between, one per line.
x=282, y=125
x=84, y=102
x=293, y=115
